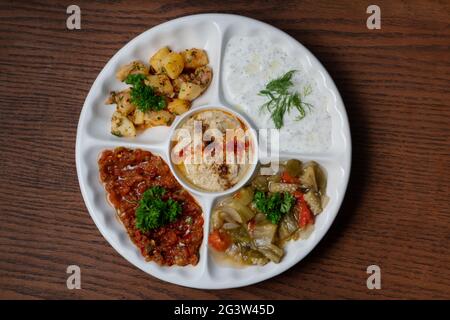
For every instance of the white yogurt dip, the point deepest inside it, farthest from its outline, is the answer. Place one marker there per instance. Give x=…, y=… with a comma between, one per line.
x=249, y=64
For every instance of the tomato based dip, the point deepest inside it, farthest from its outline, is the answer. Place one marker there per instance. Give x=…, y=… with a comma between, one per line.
x=126, y=175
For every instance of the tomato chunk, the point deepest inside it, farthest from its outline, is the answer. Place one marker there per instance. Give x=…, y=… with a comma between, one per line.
x=219, y=240
x=287, y=178
x=305, y=215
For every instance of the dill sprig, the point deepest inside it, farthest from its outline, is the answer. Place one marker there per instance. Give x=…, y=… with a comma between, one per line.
x=281, y=100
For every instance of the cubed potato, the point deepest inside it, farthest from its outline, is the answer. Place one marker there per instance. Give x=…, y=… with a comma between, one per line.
x=158, y=118
x=138, y=117
x=160, y=83
x=156, y=59
x=189, y=91
x=111, y=98
x=176, y=83
x=122, y=100
x=172, y=64
x=179, y=106
x=194, y=58
x=203, y=76
x=135, y=67
x=121, y=126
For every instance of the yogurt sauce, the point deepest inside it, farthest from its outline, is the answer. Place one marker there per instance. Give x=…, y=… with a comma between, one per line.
x=249, y=64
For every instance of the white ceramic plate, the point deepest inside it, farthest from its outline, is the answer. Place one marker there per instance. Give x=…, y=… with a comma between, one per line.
x=210, y=32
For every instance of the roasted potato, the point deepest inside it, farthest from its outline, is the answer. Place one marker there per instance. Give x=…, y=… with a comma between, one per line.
x=178, y=106
x=178, y=77
x=156, y=59
x=138, y=117
x=161, y=83
x=122, y=100
x=203, y=76
x=194, y=58
x=111, y=98
x=189, y=91
x=172, y=65
x=176, y=83
x=121, y=126
x=135, y=67
x=158, y=118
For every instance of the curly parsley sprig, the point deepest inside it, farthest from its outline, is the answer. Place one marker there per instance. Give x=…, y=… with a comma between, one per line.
x=142, y=95
x=282, y=100
x=274, y=205
x=154, y=212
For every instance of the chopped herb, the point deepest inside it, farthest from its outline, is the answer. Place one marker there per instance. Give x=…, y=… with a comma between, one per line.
x=280, y=99
x=274, y=205
x=153, y=211
x=142, y=95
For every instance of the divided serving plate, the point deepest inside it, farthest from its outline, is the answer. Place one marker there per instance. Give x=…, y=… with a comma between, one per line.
x=210, y=32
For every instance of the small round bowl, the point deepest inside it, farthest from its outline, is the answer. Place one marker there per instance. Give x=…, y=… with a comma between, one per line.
x=251, y=166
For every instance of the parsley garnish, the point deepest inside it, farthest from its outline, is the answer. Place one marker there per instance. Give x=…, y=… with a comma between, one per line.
x=275, y=205
x=153, y=211
x=282, y=100
x=142, y=95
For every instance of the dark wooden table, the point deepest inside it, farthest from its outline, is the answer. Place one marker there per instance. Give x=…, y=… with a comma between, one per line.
x=395, y=85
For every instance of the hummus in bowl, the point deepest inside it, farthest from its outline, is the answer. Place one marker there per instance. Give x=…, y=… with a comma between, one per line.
x=213, y=149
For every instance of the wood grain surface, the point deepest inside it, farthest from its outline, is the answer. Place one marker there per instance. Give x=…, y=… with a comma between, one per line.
x=395, y=85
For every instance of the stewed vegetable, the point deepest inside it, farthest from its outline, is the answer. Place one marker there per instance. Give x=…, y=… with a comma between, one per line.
x=253, y=224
